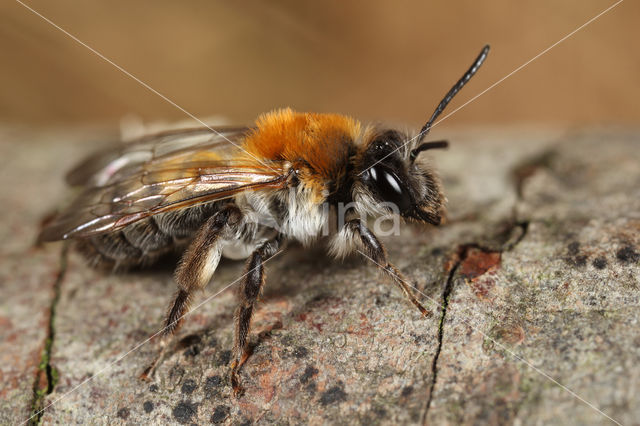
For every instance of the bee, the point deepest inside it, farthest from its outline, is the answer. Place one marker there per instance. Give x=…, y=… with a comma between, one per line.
x=243, y=192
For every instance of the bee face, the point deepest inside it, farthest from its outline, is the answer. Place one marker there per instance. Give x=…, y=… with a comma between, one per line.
x=394, y=180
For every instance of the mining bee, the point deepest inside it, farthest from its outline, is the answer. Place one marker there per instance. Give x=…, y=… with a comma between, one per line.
x=242, y=192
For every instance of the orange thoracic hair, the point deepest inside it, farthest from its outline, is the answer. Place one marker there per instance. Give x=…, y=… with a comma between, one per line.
x=321, y=142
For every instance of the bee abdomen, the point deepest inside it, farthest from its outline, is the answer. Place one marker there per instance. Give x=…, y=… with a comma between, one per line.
x=141, y=243
x=144, y=242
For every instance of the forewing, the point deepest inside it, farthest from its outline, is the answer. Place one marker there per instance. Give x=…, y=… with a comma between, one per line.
x=152, y=178
x=105, y=166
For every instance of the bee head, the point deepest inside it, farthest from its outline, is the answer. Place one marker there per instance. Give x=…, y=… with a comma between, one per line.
x=399, y=184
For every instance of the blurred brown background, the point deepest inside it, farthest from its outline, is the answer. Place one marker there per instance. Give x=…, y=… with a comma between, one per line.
x=376, y=60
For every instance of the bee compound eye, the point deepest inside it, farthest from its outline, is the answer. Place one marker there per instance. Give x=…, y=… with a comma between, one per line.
x=390, y=188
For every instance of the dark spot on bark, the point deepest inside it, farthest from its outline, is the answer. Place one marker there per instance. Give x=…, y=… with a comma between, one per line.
x=419, y=339
x=123, y=413
x=223, y=358
x=379, y=412
x=580, y=260
x=592, y=301
x=245, y=422
x=333, y=395
x=438, y=251
x=573, y=248
x=213, y=342
x=287, y=340
x=317, y=299
x=308, y=374
x=627, y=255
x=220, y=414
x=211, y=386
x=153, y=388
x=147, y=406
x=184, y=411
x=311, y=388
x=379, y=300
x=600, y=262
x=300, y=352
x=407, y=390
x=189, y=386
x=574, y=257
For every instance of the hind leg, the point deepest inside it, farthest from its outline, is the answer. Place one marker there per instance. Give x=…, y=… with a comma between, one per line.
x=248, y=294
x=199, y=263
x=196, y=269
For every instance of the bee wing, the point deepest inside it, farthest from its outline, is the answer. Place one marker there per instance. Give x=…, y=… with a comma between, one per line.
x=145, y=181
x=103, y=166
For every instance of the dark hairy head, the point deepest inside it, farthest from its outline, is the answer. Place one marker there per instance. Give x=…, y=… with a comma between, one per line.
x=408, y=188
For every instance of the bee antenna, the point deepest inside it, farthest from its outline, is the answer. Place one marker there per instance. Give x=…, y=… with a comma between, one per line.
x=454, y=90
x=425, y=146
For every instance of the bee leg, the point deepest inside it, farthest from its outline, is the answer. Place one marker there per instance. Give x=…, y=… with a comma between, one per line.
x=376, y=252
x=194, y=272
x=248, y=293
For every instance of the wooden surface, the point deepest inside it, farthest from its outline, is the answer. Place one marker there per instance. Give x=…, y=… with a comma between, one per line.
x=533, y=284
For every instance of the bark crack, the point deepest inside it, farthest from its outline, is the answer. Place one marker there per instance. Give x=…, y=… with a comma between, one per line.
x=509, y=239
x=47, y=375
x=446, y=293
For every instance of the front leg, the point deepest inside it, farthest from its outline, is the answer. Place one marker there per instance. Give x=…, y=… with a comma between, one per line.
x=248, y=294
x=373, y=248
